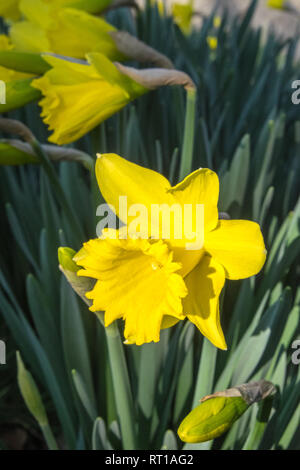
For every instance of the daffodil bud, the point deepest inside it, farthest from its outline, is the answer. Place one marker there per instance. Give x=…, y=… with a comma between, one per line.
x=31, y=394
x=11, y=155
x=65, y=258
x=16, y=152
x=217, y=413
x=26, y=62
x=68, y=266
x=18, y=93
x=68, y=259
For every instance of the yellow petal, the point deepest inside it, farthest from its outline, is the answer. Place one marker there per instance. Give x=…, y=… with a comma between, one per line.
x=9, y=9
x=201, y=305
x=118, y=177
x=137, y=281
x=183, y=14
x=64, y=31
x=239, y=246
x=200, y=187
x=37, y=11
x=75, y=33
x=29, y=37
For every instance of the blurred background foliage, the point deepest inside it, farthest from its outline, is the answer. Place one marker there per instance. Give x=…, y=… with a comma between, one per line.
x=248, y=131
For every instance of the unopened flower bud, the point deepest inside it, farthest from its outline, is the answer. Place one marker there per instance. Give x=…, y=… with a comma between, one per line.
x=217, y=413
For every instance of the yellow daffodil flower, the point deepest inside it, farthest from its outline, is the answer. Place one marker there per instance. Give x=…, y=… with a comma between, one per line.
x=66, y=31
x=79, y=96
x=217, y=21
x=154, y=283
x=212, y=41
x=182, y=13
x=279, y=4
x=9, y=9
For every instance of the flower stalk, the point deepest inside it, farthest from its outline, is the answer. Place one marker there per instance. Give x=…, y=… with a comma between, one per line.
x=117, y=361
x=121, y=384
x=189, y=134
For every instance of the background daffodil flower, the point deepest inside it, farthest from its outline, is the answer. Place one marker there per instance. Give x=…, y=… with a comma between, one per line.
x=212, y=42
x=79, y=96
x=153, y=284
x=279, y=4
x=183, y=13
x=66, y=31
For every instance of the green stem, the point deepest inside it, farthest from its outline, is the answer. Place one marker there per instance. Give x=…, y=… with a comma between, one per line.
x=121, y=384
x=255, y=437
x=49, y=437
x=60, y=194
x=204, y=383
x=189, y=134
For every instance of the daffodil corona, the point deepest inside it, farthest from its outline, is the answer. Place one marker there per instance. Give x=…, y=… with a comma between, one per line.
x=154, y=283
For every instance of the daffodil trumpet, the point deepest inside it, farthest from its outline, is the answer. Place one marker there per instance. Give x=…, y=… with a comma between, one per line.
x=153, y=283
